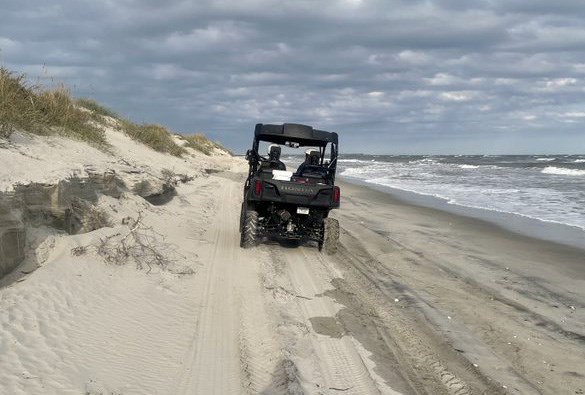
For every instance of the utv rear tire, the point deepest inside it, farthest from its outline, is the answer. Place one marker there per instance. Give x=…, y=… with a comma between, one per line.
x=242, y=216
x=249, y=236
x=330, y=235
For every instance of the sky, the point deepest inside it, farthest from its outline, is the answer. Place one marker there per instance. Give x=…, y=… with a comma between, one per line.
x=390, y=76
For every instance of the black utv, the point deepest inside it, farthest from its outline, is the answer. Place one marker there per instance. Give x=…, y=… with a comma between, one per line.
x=291, y=204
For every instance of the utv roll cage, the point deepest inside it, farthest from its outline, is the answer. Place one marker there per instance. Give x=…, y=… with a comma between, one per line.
x=295, y=135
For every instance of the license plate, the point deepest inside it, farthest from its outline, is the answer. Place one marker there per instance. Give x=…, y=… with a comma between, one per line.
x=302, y=210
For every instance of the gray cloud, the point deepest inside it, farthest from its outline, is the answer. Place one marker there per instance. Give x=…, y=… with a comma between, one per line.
x=390, y=76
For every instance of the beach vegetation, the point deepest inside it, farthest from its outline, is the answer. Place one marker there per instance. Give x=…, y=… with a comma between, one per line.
x=169, y=177
x=33, y=108
x=201, y=143
x=96, y=108
x=141, y=244
x=43, y=111
x=155, y=136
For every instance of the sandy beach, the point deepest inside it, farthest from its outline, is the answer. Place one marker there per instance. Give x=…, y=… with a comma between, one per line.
x=416, y=301
x=473, y=292
x=343, y=197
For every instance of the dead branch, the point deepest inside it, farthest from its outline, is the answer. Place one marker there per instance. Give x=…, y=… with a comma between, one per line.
x=141, y=244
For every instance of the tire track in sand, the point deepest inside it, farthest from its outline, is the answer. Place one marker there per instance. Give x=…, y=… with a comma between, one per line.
x=340, y=364
x=263, y=367
x=211, y=364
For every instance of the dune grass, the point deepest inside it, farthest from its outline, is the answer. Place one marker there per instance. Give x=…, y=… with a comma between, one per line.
x=201, y=143
x=52, y=111
x=96, y=108
x=43, y=111
x=155, y=136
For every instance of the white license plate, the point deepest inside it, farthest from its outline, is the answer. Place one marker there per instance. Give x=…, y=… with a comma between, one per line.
x=302, y=210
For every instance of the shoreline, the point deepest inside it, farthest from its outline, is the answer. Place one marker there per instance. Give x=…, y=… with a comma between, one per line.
x=413, y=223
x=517, y=224
x=504, y=301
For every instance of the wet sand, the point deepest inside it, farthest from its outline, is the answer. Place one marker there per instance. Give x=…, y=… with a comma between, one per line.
x=512, y=305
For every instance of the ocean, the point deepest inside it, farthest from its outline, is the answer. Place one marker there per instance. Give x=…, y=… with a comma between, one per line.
x=546, y=188
x=534, y=190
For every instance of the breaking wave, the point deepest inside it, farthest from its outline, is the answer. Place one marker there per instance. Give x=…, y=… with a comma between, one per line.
x=520, y=184
x=562, y=171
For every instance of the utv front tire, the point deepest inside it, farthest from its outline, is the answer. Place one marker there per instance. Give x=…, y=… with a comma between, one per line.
x=249, y=237
x=330, y=235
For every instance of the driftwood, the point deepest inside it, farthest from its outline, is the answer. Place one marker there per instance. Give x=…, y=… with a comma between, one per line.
x=140, y=244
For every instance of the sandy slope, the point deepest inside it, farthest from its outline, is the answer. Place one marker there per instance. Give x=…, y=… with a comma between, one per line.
x=415, y=302
x=28, y=158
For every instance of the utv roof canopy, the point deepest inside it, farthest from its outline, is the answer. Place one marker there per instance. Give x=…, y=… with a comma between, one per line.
x=294, y=132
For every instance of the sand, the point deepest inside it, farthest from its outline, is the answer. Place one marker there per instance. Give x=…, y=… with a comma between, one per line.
x=416, y=301
x=509, y=305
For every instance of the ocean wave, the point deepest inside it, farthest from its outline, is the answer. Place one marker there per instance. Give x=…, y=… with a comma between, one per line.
x=518, y=186
x=546, y=159
x=579, y=161
x=423, y=161
x=353, y=161
x=563, y=171
x=356, y=172
x=485, y=205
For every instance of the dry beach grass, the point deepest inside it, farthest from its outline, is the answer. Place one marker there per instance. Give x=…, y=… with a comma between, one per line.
x=42, y=111
x=53, y=111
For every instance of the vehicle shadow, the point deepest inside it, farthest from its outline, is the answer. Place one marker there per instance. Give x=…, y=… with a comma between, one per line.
x=288, y=243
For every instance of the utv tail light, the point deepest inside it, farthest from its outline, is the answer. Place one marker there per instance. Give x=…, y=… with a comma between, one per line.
x=258, y=187
x=336, y=194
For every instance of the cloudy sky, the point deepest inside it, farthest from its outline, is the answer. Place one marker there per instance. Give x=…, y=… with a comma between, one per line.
x=391, y=76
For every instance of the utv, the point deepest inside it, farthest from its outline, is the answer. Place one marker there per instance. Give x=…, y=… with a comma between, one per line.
x=291, y=205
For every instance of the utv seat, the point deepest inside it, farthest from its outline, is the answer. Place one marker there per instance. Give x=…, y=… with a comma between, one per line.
x=272, y=165
x=311, y=171
x=265, y=172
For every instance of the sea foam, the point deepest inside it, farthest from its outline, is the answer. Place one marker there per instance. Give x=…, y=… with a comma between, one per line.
x=562, y=171
x=519, y=184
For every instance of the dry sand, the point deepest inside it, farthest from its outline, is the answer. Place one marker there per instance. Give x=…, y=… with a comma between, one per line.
x=416, y=301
